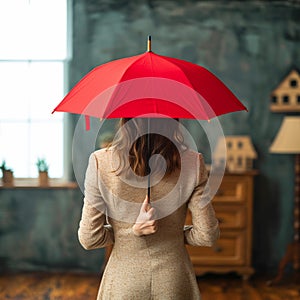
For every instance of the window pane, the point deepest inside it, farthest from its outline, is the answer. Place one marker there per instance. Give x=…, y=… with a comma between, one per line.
x=35, y=29
x=26, y=142
x=46, y=80
x=47, y=142
x=30, y=90
x=14, y=147
x=48, y=29
x=14, y=29
x=14, y=91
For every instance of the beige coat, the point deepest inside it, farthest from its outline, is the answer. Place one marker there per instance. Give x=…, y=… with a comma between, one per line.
x=156, y=266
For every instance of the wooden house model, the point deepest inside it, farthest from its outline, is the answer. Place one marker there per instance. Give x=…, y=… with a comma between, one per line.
x=286, y=96
x=240, y=153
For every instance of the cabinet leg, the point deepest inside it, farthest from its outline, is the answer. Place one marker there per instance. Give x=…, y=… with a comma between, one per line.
x=287, y=258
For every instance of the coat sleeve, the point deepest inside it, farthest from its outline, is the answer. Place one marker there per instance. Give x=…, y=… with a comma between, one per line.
x=204, y=230
x=93, y=232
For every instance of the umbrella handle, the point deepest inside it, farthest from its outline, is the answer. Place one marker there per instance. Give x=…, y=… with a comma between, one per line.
x=148, y=193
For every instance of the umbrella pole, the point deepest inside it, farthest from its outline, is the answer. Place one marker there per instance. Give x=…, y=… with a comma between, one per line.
x=149, y=149
x=149, y=44
x=148, y=136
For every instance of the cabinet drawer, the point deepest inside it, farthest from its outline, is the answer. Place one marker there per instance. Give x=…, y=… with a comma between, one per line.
x=230, y=217
x=228, y=250
x=232, y=189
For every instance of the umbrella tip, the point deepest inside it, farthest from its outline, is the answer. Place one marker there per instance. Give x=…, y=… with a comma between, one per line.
x=149, y=43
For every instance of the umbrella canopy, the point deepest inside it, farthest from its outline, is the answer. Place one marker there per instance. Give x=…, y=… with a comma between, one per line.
x=150, y=84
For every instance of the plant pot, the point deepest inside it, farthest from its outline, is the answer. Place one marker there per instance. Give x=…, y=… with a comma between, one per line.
x=7, y=178
x=43, y=179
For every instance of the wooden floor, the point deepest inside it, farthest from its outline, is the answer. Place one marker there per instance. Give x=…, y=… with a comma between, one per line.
x=65, y=286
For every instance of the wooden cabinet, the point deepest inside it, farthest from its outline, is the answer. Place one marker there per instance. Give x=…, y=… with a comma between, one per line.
x=233, y=206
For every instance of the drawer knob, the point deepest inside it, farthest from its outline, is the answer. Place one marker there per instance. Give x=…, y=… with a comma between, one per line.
x=221, y=220
x=217, y=248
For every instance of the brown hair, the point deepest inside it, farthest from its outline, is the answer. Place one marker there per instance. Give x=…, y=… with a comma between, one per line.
x=135, y=149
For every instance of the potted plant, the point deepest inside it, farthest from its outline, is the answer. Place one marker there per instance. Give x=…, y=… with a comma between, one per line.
x=43, y=168
x=7, y=175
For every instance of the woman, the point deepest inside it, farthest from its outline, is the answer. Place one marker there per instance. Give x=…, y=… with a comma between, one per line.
x=149, y=259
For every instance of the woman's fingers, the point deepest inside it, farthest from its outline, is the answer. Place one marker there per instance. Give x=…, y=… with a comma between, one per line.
x=149, y=229
x=145, y=223
x=144, y=229
x=150, y=212
x=148, y=224
x=145, y=205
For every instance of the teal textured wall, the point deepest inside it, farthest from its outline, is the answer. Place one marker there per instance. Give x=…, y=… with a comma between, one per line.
x=250, y=45
x=38, y=231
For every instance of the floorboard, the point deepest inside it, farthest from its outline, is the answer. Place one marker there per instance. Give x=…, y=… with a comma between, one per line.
x=77, y=286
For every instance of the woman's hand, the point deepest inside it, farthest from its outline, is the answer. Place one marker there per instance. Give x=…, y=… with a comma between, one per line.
x=144, y=224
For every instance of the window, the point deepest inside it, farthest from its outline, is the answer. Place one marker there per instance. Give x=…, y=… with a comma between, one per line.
x=274, y=99
x=293, y=83
x=285, y=99
x=239, y=161
x=33, y=55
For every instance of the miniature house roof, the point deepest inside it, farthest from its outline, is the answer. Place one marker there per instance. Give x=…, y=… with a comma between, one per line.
x=286, y=96
x=236, y=145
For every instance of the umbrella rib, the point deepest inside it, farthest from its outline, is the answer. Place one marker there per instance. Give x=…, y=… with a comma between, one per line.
x=174, y=62
x=187, y=79
x=127, y=70
x=151, y=65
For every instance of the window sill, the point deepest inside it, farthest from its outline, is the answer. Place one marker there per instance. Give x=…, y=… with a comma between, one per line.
x=33, y=183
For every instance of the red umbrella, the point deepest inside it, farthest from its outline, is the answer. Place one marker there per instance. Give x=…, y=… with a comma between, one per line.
x=150, y=84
